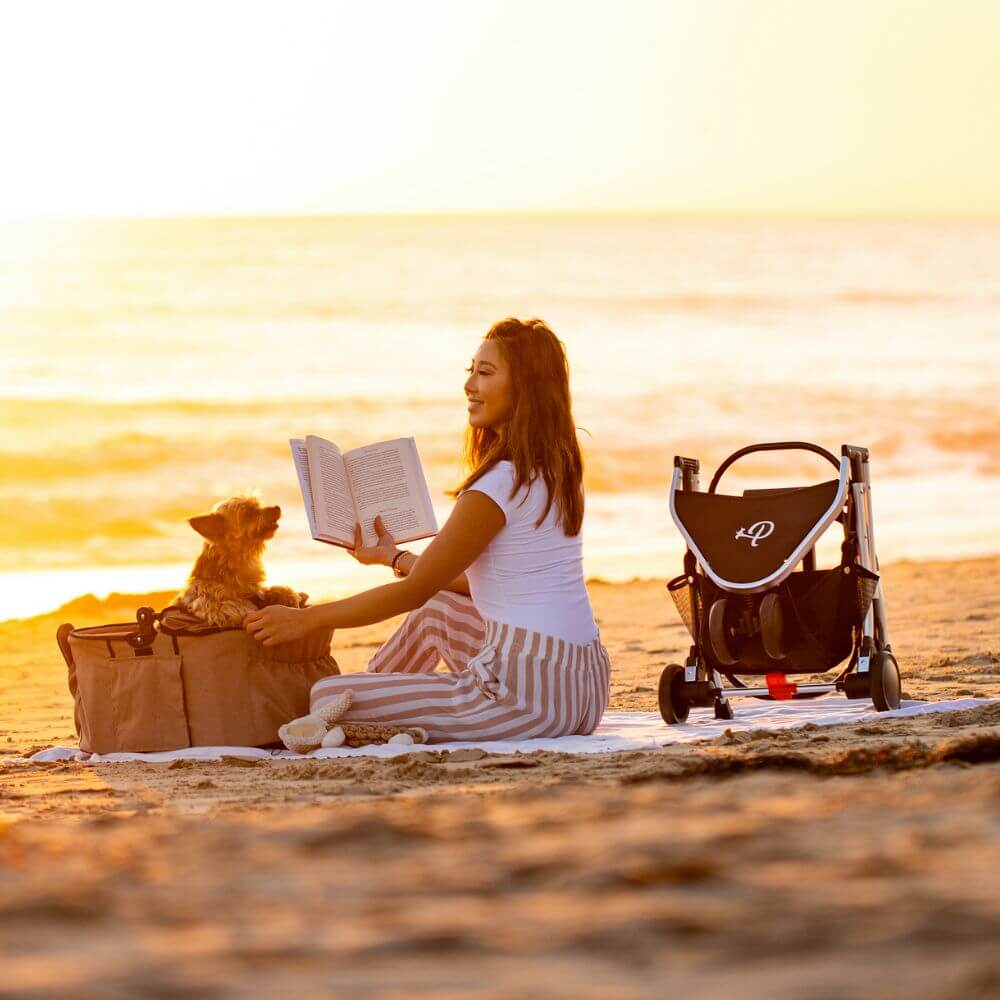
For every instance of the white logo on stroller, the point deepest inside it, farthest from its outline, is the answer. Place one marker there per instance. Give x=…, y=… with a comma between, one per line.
x=756, y=532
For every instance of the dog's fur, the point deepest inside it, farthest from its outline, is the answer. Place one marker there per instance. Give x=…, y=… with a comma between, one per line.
x=226, y=580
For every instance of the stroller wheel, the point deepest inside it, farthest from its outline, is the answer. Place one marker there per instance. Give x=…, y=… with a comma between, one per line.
x=884, y=672
x=772, y=627
x=674, y=706
x=857, y=686
x=717, y=637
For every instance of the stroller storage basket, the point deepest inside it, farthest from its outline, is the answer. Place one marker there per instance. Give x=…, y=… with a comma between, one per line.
x=824, y=610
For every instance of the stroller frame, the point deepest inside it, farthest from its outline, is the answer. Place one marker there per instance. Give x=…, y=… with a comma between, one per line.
x=872, y=670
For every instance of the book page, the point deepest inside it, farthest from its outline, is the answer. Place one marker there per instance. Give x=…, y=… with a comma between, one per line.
x=387, y=479
x=331, y=492
x=301, y=460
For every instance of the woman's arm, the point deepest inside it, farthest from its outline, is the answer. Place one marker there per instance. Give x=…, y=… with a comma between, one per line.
x=408, y=560
x=473, y=524
x=384, y=553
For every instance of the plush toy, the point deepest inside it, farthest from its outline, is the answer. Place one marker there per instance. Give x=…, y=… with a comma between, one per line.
x=324, y=728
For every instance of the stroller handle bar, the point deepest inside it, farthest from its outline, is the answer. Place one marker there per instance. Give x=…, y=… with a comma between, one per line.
x=771, y=446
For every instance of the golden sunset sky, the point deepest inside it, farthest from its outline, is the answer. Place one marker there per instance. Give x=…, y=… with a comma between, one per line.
x=693, y=106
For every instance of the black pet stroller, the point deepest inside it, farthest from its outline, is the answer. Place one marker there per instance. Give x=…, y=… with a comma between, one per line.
x=752, y=611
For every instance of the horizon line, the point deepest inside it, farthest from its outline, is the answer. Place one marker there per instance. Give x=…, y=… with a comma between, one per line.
x=663, y=214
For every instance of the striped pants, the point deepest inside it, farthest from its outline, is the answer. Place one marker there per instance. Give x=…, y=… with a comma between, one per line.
x=502, y=682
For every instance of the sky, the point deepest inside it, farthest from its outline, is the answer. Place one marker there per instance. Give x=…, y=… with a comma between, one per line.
x=782, y=107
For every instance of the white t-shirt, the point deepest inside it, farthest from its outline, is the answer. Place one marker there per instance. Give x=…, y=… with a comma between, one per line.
x=530, y=577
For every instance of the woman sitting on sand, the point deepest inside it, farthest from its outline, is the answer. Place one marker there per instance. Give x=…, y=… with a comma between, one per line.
x=499, y=594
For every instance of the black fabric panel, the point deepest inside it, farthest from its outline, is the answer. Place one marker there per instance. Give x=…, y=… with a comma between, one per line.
x=778, y=522
x=823, y=611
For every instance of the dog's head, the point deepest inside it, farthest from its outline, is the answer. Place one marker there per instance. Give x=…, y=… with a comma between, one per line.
x=238, y=525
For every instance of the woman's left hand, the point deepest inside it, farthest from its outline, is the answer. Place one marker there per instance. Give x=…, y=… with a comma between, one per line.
x=381, y=553
x=275, y=624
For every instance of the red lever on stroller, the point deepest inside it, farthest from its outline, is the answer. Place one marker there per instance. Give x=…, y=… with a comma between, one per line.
x=779, y=687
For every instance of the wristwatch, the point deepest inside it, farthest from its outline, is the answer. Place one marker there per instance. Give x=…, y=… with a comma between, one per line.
x=395, y=563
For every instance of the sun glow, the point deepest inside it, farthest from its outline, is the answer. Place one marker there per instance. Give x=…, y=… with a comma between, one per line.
x=152, y=366
x=709, y=106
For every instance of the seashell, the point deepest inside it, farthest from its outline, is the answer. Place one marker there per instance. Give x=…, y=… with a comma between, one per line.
x=403, y=739
x=303, y=734
x=336, y=708
x=307, y=726
x=334, y=738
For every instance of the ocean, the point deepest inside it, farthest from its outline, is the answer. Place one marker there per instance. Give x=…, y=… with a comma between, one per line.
x=150, y=368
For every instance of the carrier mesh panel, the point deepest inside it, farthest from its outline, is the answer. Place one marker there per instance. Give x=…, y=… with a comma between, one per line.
x=684, y=597
x=822, y=608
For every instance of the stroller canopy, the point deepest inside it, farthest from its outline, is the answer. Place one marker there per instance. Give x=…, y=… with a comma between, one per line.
x=751, y=542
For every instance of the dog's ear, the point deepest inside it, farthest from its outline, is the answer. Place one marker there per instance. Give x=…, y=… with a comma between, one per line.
x=210, y=526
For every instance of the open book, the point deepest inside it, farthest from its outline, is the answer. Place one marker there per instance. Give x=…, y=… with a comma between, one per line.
x=340, y=489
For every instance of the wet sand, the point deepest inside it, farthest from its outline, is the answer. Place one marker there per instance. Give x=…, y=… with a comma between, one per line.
x=855, y=860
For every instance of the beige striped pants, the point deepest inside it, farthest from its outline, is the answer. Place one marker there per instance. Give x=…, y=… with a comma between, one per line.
x=502, y=682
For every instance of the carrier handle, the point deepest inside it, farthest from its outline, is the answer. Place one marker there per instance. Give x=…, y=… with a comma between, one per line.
x=771, y=446
x=142, y=640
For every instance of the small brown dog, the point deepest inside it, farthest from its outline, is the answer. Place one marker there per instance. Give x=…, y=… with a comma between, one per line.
x=226, y=580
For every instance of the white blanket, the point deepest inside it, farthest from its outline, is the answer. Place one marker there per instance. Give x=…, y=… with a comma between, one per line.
x=617, y=731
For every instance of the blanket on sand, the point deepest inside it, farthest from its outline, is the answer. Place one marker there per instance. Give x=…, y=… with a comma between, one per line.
x=618, y=731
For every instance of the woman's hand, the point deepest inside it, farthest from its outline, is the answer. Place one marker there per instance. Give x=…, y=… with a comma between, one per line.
x=275, y=624
x=381, y=553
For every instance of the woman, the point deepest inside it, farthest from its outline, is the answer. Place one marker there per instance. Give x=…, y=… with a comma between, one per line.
x=499, y=594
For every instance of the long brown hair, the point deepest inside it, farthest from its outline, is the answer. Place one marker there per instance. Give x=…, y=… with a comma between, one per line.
x=540, y=437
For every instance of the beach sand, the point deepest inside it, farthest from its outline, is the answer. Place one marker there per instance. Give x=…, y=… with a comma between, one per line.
x=849, y=861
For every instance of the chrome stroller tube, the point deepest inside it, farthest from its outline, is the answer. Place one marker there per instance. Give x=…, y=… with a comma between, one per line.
x=875, y=627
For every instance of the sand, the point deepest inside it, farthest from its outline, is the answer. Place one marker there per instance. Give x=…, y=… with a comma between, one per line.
x=844, y=861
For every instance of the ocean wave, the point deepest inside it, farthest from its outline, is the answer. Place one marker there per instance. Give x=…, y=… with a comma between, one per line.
x=134, y=454
x=367, y=313
x=29, y=411
x=52, y=524
x=885, y=297
x=728, y=302
x=191, y=464
x=983, y=442
x=697, y=302
x=80, y=316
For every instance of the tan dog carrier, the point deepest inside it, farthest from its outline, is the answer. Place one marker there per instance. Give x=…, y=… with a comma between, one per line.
x=168, y=681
